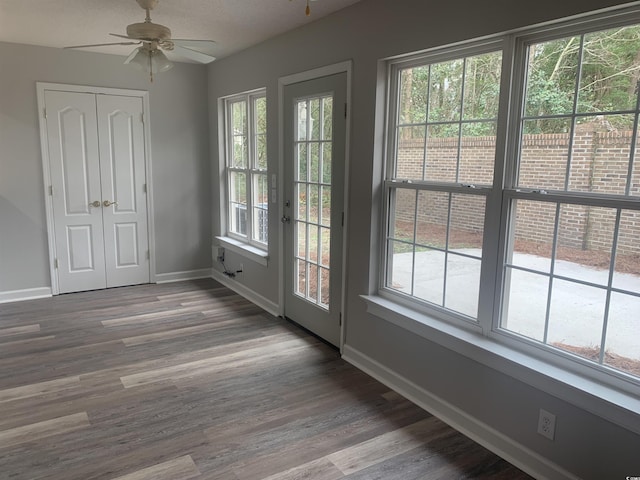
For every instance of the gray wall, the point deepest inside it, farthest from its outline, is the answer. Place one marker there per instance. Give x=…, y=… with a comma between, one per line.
x=586, y=445
x=180, y=158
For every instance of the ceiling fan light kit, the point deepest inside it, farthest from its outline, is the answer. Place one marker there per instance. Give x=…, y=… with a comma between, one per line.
x=153, y=38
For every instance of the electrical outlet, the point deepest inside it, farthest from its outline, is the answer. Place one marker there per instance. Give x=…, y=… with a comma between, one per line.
x=547, y=424
x=221, y=254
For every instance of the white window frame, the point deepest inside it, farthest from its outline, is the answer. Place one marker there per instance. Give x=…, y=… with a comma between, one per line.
x=434, y=322
x=232, y=238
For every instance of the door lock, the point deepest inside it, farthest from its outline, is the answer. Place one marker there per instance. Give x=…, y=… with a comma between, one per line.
x=285, y=219
x=107, y=203
x=95, y=204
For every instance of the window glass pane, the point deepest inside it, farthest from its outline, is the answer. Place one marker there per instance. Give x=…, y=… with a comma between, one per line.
x=313, y=282
x=313, y=246
x=432, y=219
x=544, y=152
x=326, y=162
x=301, y=275
x=627, y=265
x=585, y=239
x=325, y=244
x=404, y=215
x=314, y=117
x=325, y=212
x=482, y=86
x=314, y=204
x=238, y=187
x=477, y=153
x=445, y=91
x=301, y=197
x=552, y=72
x=238, y=215
x=526, y=303
x=429, y=277
x=239, y=144
x=324, y=287
x=413, y=95
x=600, y=154
x=327, y=118
x=533, y=235
x=301, y=127
x=463, y=284
x=609, y=57
x=400, y=267
x=576, y=318
x=302, y=242
x=314, y=161
x=442, y=153
x=260, y=208
x=621, y=350
x=467, y=224
x=302, y=162
x=410, y=154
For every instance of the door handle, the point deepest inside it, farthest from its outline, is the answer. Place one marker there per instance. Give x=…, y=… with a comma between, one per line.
x=95, y=204
x=107, y=203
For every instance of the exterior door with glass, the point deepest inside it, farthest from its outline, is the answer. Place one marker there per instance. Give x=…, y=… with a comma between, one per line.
x=314, y=139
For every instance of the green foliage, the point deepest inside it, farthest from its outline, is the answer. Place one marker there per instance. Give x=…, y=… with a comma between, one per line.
x=602, y=67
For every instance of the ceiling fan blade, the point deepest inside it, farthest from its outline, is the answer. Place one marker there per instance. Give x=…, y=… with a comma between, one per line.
x=121, y=36
x=103, y=44
x=131, y=55
x=185, y=42
x=193, y=54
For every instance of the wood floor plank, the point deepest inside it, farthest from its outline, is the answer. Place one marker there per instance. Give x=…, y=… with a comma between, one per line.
x=42, y=388
x=8, y=332
x=47, y=428
x=189, y=380
x=181, y=468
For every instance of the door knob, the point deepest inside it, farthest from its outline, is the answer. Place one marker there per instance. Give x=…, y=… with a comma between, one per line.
x=95, y=204
x=107, y=203
x=285, y=219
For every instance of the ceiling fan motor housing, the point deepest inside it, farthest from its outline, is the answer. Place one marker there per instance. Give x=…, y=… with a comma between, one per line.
x=148, y=31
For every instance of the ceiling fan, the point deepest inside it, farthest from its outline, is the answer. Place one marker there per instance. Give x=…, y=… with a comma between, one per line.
x=153, y=38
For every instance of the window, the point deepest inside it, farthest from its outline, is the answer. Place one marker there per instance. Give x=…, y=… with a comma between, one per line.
x=246, y=162
x=525, y=228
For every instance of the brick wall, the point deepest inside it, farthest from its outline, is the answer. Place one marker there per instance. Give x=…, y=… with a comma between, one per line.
x=599, y=164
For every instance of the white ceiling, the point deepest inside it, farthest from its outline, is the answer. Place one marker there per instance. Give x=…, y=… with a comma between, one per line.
x=233, y=24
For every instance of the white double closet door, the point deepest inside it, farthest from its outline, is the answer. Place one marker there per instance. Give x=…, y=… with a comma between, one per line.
x=96, y=160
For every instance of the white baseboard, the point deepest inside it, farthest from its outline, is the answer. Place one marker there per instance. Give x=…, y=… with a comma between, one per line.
x=247, y=293
x=515, y=453
x=180, y=276
x=27, y=294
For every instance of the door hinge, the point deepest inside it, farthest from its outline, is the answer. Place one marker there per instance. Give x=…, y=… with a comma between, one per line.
x=340, y=319
x=343, y=219
x=148, y=255
x=51, y=190
x=142, y=117
x=144, y=187
x=345, y=110
x=55, y=263
x=44, y=113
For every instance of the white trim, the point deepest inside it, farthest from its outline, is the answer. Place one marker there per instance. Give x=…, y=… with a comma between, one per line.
x=341, y=67
x=180, y=276
x=41, y=88
x=618, y=407
x=247, y=293
x=26, y=294
x=250, y=252
x=490, y=438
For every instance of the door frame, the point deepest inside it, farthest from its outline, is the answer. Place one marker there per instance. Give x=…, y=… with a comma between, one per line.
x=41, y=88
x=341, y=67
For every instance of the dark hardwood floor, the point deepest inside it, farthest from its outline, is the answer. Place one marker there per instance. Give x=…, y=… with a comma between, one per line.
x=190, y=381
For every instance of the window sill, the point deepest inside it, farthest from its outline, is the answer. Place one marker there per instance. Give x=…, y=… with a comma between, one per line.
x=248, y=251
x=618, y=407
